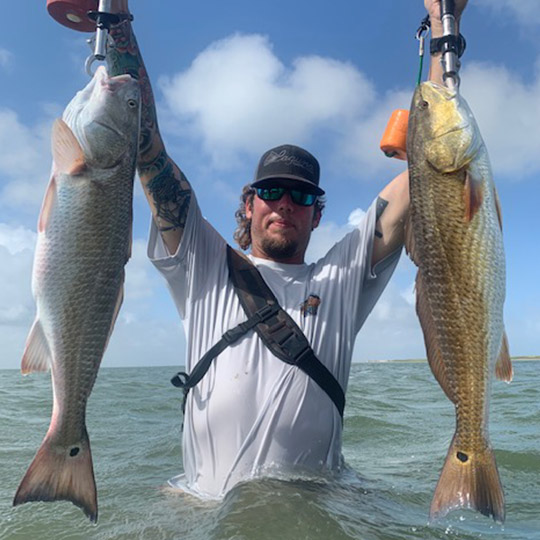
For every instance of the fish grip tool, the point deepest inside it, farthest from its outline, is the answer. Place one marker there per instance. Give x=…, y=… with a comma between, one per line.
x=451, y=45
x=88, y=16
x=394, y=140
x=104, y=19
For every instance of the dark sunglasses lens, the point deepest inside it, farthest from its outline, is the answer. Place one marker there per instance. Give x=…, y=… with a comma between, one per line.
x=302, y=198
x=270, y=194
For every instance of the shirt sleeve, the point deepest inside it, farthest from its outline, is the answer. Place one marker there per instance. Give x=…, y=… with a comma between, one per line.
x=200, y=254
x=360, y=285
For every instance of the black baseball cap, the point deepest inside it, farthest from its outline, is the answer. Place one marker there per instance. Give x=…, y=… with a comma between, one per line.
x=290, y=164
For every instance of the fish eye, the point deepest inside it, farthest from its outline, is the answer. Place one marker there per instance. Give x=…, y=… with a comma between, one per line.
x=424, y=104
x=132, y=103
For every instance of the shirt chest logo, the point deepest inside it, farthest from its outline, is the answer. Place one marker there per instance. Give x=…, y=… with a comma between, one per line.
x=310, y=306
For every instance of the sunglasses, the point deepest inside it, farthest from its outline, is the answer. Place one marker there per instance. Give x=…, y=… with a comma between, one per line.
x=301, y=198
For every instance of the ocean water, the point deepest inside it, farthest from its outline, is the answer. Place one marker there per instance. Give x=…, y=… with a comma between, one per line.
x=398, y=425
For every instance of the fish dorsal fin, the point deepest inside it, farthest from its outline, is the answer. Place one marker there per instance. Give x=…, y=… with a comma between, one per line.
x=503, y=367
x=37, y=355
x=67, y=152
x=48, y=204
x=473, y=195
x=433, y=349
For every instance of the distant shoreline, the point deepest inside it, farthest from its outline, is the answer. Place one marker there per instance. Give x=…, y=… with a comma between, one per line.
x=422, y=360
x=395, y=361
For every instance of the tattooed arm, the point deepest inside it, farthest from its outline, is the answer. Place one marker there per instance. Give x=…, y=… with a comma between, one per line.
x=164, y=184
x=392, y=211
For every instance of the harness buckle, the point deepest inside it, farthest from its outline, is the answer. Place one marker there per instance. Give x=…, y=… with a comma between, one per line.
x=180, y=380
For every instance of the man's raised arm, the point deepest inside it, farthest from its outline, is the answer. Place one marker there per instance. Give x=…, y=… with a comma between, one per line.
x=165, y=186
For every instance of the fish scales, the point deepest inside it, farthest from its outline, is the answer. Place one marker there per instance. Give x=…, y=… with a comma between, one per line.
x=84, y=242
x=454, y=237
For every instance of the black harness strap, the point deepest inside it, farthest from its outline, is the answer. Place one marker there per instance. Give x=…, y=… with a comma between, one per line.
x=278, y=331
x=187, y=382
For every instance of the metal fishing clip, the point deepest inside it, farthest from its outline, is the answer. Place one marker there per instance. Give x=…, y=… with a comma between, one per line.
x=450, y=60
x=102, y=41
x=421, y=34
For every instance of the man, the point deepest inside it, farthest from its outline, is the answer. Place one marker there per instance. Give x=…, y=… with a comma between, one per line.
x=252, y=414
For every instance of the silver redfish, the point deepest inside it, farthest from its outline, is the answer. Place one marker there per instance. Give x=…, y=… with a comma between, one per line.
x=84, y=242
x=455, y=239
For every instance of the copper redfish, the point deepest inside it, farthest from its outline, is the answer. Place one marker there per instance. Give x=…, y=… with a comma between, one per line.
x=454, y=236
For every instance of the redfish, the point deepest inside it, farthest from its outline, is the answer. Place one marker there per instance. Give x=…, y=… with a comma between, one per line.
x=84, y=242
x=454, y=236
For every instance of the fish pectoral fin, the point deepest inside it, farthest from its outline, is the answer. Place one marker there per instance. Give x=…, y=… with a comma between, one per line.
x=37, y=354
x=48, y=204
x=67, y=152
x=503, y=368
x=473, y=195
x=433, y=350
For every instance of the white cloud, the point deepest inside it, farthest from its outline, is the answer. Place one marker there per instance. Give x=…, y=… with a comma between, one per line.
x=25, y=162
x=237, y=96
x=392, y=330
x=356, y=217
x=5, y=58
x=141, y=278
x=507, y=110
x=525, y=11
x=17, y=239
x=16, y=256
x=327, y=234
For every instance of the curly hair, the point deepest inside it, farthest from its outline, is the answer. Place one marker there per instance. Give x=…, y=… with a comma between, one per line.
x=242, y=235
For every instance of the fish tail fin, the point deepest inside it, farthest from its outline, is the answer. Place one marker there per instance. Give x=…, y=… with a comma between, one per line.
x=61, y=473
x=469, y=481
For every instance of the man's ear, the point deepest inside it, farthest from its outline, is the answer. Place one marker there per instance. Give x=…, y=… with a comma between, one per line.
x=249, y=209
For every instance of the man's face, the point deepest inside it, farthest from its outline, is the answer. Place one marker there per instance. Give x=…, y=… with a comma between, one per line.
x=280, y=230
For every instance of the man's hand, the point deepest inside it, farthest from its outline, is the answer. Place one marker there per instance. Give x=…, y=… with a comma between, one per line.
x=433, y=7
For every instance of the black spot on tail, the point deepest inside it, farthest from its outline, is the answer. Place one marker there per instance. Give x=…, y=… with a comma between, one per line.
x=462, y=457
x=74, y=451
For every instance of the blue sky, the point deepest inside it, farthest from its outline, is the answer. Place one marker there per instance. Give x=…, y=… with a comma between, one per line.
x=233, y=79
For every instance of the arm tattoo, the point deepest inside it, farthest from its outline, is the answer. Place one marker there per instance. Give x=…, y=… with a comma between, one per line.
x=171, y=197
x=155, y=165
x=381, y=207
x=167, y=185
x=125, y=57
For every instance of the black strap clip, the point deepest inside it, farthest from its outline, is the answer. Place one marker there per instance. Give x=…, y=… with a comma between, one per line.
x=182, y=380
x=450, y=43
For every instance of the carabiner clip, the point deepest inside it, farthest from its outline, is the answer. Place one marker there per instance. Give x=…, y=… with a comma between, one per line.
x=420, y=35
x=424, y=27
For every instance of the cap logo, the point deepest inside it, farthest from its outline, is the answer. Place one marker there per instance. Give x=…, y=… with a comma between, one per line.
x=274, y=157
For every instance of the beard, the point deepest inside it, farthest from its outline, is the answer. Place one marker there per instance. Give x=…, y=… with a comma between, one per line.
x=279, y=248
